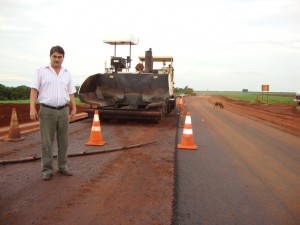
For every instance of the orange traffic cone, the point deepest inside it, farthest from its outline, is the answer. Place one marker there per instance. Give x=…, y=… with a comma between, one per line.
x=14, y=133
x=96, y=134
x=187, y=139
x=180, y=102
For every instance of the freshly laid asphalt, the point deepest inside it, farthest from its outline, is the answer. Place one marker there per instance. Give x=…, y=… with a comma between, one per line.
x=244, y=171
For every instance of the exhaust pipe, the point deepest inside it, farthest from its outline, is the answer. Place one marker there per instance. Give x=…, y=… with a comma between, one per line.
x=148, y=61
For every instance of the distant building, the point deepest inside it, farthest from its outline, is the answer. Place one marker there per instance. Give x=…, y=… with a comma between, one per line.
x=245, y=90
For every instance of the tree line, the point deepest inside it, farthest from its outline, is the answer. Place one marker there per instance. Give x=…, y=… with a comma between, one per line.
x=23, y=92
x=14, y=93
x=17, y=93
x=186, y=90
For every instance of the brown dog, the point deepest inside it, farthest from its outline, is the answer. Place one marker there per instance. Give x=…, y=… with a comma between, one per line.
x=219, y=104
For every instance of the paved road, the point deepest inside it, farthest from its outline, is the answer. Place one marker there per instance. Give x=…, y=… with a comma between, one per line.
x=244, y=171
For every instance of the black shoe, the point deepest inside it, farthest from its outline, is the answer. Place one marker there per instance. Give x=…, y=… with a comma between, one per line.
x=65, y=172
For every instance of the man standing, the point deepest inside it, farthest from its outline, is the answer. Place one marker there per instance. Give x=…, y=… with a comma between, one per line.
x=54, y=89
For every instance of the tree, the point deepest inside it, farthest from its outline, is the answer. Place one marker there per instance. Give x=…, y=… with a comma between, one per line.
x=186, y=90
x=14, y=93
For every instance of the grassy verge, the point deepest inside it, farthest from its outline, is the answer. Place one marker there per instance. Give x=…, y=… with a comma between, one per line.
x=270, y=98
x=26, y=101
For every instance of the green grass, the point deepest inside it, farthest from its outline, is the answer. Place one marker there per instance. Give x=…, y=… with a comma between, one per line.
x=253, y=97
x=78, y=102
x=26, y=101
x=284, y=98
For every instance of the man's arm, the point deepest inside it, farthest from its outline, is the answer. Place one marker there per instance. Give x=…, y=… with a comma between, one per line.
x=73, y=107
x=33, y=96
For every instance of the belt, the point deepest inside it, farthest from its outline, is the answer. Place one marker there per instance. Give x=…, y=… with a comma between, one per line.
x=52, y=107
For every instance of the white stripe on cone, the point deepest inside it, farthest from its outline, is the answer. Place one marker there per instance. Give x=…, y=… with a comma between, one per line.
x=187, y=131
x=96, y=118
x=96, y=128
x=188, y=120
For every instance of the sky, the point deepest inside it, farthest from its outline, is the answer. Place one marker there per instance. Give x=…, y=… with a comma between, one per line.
x=217, y=45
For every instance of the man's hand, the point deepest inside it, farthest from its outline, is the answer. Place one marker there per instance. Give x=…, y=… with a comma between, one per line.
x=73, y=107
x=73, y=115
x=33, y=114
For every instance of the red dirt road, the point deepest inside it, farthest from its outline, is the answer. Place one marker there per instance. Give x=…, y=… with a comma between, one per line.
x=283, y=116
x=135, y=186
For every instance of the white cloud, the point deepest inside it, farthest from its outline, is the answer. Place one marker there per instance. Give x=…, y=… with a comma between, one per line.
x=215, y=44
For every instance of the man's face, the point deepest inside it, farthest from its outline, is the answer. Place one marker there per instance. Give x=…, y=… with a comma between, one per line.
x=56, y=60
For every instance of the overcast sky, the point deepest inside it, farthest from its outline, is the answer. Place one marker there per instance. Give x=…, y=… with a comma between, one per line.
x=224, y=45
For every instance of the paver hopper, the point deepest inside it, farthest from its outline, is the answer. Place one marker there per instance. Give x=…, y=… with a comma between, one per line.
x=146, y=94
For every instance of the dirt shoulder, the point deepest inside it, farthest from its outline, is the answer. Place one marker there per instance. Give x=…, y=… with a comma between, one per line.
x=135, y=186
x=282, y=116
x=22, y=112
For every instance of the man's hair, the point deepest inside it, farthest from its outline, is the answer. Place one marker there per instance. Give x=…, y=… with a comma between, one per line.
x=58, y=49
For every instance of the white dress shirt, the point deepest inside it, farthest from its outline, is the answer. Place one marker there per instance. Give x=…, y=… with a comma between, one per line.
x=54, y=90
